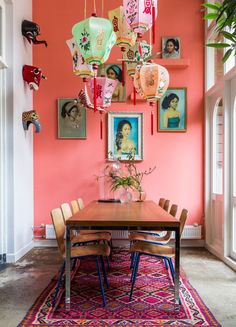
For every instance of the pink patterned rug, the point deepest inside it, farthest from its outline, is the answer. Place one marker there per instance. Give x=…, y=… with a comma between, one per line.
x=152, y=304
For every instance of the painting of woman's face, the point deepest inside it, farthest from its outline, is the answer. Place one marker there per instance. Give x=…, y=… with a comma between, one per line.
x=126, y=130
x=174, y=103
x=111, y=74
x=170, y=47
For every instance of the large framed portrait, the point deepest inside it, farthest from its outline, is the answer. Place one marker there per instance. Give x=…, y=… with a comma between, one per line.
x=114, y=71
x=125, y=135
x=172, y=111
x=171, y=47
x=71, y=117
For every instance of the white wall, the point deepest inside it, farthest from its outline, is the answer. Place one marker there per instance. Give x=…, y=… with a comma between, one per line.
x=20, y=142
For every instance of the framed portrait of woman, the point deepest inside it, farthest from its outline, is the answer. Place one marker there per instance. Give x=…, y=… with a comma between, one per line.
x=71, y=118
x=172, y=111
x=171, y=47
x=125, y=135
x=114, y=71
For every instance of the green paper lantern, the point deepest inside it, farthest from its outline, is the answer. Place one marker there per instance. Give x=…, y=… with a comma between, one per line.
x=95, y=38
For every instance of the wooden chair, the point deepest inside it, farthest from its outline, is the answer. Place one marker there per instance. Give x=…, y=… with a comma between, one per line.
x=96, y=251
x=162, y=251
x=166, y=205
x=83, y=237
x=161, y=202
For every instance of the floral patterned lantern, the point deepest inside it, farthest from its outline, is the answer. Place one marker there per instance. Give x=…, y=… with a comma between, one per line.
x=95, y=38
x=154, y=81
x=80, y=68
x=140, y=15
x=137, y=82
x=125, y=36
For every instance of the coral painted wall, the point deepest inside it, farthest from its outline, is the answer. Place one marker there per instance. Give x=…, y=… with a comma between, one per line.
x=64, y=169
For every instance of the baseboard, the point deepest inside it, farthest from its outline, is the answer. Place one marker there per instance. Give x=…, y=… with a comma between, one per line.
x=13, y=257
x=122, y=243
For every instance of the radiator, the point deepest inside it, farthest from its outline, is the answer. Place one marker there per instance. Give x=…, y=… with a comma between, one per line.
x=190, y=232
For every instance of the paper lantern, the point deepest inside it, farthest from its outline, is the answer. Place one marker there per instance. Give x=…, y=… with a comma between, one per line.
x=80, y=68
x=154, y=81
x=140, y=15
x=124, y=36
x=95, y=38
x=104, y=89
x=139, y=52
x=137, y=82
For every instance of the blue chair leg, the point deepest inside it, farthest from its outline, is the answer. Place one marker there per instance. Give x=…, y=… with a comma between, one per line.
x=111, y=247
x=166, y=263
x=104, y=271
x=59, y=283
x=133, y=265
x=101, y=283
x=132, y=260
x=135, y=270
x=172, y=269
x=108, y=264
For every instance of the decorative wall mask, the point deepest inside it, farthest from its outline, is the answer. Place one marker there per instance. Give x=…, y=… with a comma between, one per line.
x=31, y=30
x=31, y=117
x=32, y=75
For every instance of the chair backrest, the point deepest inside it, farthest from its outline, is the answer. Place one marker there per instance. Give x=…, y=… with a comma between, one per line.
x=66, y=210
x=74, y=206
x=162, y=202
x=59, y=227
x=81, y=203
x=173, y=210
x=182, y=219
x=166, y=205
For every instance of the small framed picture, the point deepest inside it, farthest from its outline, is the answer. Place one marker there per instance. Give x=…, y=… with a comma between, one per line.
x=71, y=117
x=114, y=71
x=171, y=47
x=172, y=111
x=125, y=135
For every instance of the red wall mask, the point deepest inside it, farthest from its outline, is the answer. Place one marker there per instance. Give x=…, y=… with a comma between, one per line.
x=32, y=75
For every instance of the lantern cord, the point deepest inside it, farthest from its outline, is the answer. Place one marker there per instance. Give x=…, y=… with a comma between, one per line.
x=153, y=24
x=94, y=6
x=151, y=122
x=101, y=127
x=85, y=9
x=123, y=71
x=134, y=96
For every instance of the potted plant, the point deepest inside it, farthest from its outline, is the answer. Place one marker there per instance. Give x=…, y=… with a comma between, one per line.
x=224, y=16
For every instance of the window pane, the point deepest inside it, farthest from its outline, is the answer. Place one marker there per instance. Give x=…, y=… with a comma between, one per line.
x=218, y=144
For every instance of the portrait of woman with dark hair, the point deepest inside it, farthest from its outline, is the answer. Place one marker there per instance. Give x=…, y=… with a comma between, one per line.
x=115, y=72
x=172, y=110
x=170, y=47
x=124, y=145
x=71, y=119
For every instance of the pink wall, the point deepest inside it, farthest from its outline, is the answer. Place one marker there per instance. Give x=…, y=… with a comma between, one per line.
x=65, y=169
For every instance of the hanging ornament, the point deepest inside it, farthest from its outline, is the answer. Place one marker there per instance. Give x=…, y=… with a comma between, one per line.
x=125, y=36
x=140, y=15
x=95, y=38
x=80, y=68
x=154, y=81
x=104, y=90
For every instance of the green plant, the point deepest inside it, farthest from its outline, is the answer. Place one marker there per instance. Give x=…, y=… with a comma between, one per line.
x=224, y=15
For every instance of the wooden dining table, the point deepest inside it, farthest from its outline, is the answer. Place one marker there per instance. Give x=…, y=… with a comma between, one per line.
x=146, y=215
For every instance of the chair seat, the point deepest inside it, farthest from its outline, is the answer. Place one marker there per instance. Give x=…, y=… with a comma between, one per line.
x=155, y=249
x=87, y=250
x=91, y=237
x=93, y=231
x=150, y=238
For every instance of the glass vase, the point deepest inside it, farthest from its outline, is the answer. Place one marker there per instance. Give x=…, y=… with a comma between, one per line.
x=139, y=196
x=125, y=196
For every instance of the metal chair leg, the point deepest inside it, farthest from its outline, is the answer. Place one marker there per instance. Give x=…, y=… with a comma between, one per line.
x=58, y=283
x=166, y=263
x=104, y=271
x=135, y=270
x=100, y=281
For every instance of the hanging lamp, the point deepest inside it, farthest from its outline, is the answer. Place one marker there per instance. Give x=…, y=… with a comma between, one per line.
x=141, y=15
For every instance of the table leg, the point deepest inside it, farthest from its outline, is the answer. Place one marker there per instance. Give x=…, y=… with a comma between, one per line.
x=177, y=264
x=68, y=254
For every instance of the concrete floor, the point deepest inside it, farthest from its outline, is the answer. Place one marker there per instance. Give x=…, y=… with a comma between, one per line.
x=21, y=283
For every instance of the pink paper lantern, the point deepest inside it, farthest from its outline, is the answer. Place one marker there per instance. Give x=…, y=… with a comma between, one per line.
x=154, y=81
x=140, y=14
x=104, y=89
